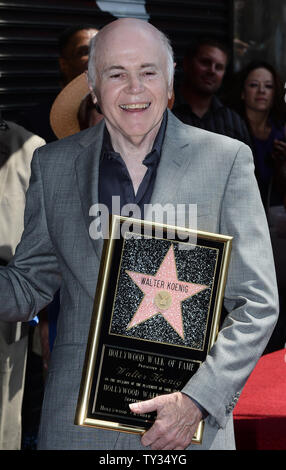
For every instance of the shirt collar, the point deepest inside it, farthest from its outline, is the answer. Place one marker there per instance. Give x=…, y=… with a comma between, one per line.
x=181, y=103
x=152, y=157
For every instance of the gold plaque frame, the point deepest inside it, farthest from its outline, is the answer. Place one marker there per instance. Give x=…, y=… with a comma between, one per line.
x=125, y=364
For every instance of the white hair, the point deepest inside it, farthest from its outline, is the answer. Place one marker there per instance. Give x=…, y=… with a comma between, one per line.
x=94, y=45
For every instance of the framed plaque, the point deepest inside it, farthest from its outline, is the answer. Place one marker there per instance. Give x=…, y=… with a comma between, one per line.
x=156, y=315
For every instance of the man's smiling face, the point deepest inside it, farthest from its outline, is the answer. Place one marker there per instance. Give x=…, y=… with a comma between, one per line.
x=132, y=81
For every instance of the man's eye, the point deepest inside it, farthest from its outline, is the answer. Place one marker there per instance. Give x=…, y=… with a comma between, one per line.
x=116, y=75
x=149, y=75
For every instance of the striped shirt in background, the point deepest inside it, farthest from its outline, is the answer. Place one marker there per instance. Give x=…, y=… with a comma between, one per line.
x=219, y=119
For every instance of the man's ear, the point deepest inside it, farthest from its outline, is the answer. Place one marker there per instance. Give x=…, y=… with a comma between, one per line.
x=91, y=89
x=171, y=86
x=171, y=100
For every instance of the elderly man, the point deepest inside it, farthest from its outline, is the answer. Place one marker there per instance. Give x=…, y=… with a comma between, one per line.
x=131, y=77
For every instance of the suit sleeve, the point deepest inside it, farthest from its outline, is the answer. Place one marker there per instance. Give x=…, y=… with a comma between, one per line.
x=32, y=277
x=251, y=297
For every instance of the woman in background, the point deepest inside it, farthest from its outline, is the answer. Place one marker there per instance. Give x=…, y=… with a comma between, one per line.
x=260, y=101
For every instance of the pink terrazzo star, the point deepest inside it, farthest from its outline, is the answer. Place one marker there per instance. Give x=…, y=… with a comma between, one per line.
x=165, y=284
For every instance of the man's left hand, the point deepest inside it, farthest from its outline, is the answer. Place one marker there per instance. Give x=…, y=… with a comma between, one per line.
x=177, y=420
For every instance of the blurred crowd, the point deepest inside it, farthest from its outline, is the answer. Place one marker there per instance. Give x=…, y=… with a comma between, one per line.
x=249, y=106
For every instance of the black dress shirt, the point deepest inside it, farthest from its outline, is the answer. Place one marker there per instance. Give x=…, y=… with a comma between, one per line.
x=114, y=178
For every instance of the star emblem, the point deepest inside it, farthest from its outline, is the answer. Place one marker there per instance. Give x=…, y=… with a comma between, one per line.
x=163, y=294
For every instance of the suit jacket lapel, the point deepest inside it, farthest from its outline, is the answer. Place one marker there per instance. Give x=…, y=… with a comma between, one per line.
x=87, y=172
x=175, y=158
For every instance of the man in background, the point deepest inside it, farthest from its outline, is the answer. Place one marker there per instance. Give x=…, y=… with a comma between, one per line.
x=73, y=46
x=73, y=50
x=204, y=66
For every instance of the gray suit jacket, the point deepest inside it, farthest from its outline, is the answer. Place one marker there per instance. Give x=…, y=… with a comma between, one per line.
x=212, y=171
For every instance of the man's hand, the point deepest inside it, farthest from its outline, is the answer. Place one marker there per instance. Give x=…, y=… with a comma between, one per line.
x=177, y=420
